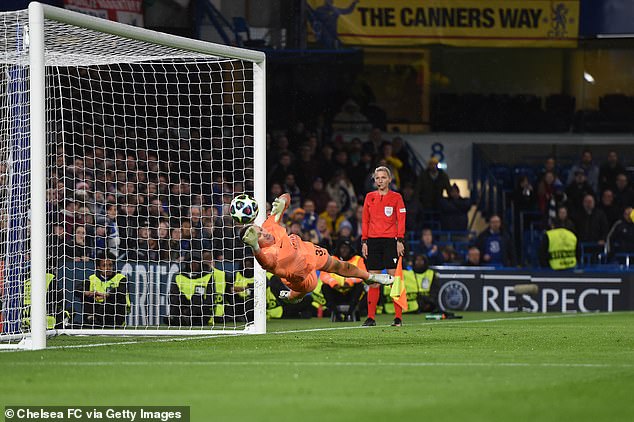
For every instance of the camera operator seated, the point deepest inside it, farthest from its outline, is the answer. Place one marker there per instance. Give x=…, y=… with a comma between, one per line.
x=106, y=299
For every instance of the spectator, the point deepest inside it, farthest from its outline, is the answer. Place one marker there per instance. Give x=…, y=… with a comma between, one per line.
x=69, y=217
x=450, y=256
x=524, y=201
x=163, y=236
x=292, y=189
x=392, y=161
x=79, y=249
x=357, y=227
x=609, y=208
x=127, y=224
x=399, y=150
x=280, y=149
x=431, y=184
x=342, y=192
x=354, y=152
x=156, y=212
x=361, y=174
x=577, y=190
x=310, y=216
x=326, y=164
x=621, y=238
x=141, y=252
x=545, y=191
x=623, y=194
x=473, y=257
x=176, y=254
x=333, y=217
x=275, y=190
x=414, y=219
x=318, y=195
x=283, y=167
x=562, y=219
x=340, y=161
x=297, y=216
x=309, y=168
x=188, y=246
x=550, y=165
x=195, y=217
x=323, y=235
x=591, y=170
x=375, y=139
x=295, y=228
x=345, y=232
x=454, y=211
x=609, y=170
x=495, y=244
x=550, y=194
x=428, y=248
x=524, y=196
x=154, y=250
x=590, y=222
x=113, y=240
x=105, y=294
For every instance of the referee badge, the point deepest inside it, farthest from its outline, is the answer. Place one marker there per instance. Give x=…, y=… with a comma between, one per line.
x=388, y=211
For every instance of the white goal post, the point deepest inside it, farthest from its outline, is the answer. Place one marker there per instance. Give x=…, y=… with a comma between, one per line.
x=120, y=148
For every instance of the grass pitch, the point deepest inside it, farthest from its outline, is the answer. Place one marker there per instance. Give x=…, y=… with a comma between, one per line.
x=486, y=367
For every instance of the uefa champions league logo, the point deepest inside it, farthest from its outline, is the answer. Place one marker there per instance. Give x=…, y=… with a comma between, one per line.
x=454, y=295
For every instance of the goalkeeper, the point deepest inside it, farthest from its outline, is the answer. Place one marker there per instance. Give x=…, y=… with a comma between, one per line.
x=296, y=261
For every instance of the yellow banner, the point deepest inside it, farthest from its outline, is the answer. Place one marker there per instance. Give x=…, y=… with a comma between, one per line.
x=474, y=23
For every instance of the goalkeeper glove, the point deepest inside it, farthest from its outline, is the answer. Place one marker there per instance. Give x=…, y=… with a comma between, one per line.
x=279, y=205
x=250, y=238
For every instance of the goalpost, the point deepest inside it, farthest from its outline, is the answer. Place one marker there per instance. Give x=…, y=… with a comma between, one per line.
x=120, y=150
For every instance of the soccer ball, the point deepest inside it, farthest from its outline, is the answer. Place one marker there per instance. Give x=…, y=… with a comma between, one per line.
x=243, y=209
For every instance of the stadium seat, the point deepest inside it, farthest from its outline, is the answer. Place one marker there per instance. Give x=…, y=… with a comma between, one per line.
x=241, y=31
x=503, y=175
x=525, y=170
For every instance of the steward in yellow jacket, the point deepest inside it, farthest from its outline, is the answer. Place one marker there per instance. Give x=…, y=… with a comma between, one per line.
x=422, y=286
x=342, y=294
x=197, y=296
x=106, y=299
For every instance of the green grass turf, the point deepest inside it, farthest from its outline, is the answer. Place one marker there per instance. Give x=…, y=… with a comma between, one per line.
x=486, y=367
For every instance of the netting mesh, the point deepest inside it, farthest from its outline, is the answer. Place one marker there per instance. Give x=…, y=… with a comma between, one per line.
x=146, y=147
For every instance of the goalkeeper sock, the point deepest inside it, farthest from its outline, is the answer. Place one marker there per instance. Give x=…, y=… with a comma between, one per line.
x=373, y=300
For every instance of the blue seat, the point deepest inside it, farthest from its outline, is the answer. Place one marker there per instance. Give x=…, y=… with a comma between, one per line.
x=503, y=174
x=527, y=171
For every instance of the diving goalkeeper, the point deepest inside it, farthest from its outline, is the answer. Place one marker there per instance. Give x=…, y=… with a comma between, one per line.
x=296, y=261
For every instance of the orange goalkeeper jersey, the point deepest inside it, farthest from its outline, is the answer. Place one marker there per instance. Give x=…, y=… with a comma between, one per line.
x=292, y=259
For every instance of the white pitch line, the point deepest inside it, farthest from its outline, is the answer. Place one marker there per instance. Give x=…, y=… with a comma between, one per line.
x=312, y=330
x=443, y=322
x=340, y=364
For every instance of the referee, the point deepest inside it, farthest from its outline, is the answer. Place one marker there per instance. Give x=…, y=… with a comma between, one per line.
x=382, y=236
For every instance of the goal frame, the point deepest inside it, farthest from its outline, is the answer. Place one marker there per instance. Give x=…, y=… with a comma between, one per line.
x=37, y=13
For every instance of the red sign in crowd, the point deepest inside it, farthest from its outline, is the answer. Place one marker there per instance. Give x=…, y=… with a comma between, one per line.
x=125, y=11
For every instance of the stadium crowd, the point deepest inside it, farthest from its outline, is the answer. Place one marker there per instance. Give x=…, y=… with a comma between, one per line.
x=166, y=199
x=129, y=205
x=329, y=180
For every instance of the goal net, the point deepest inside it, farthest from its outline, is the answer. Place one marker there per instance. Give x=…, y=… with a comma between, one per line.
x=120, y=151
